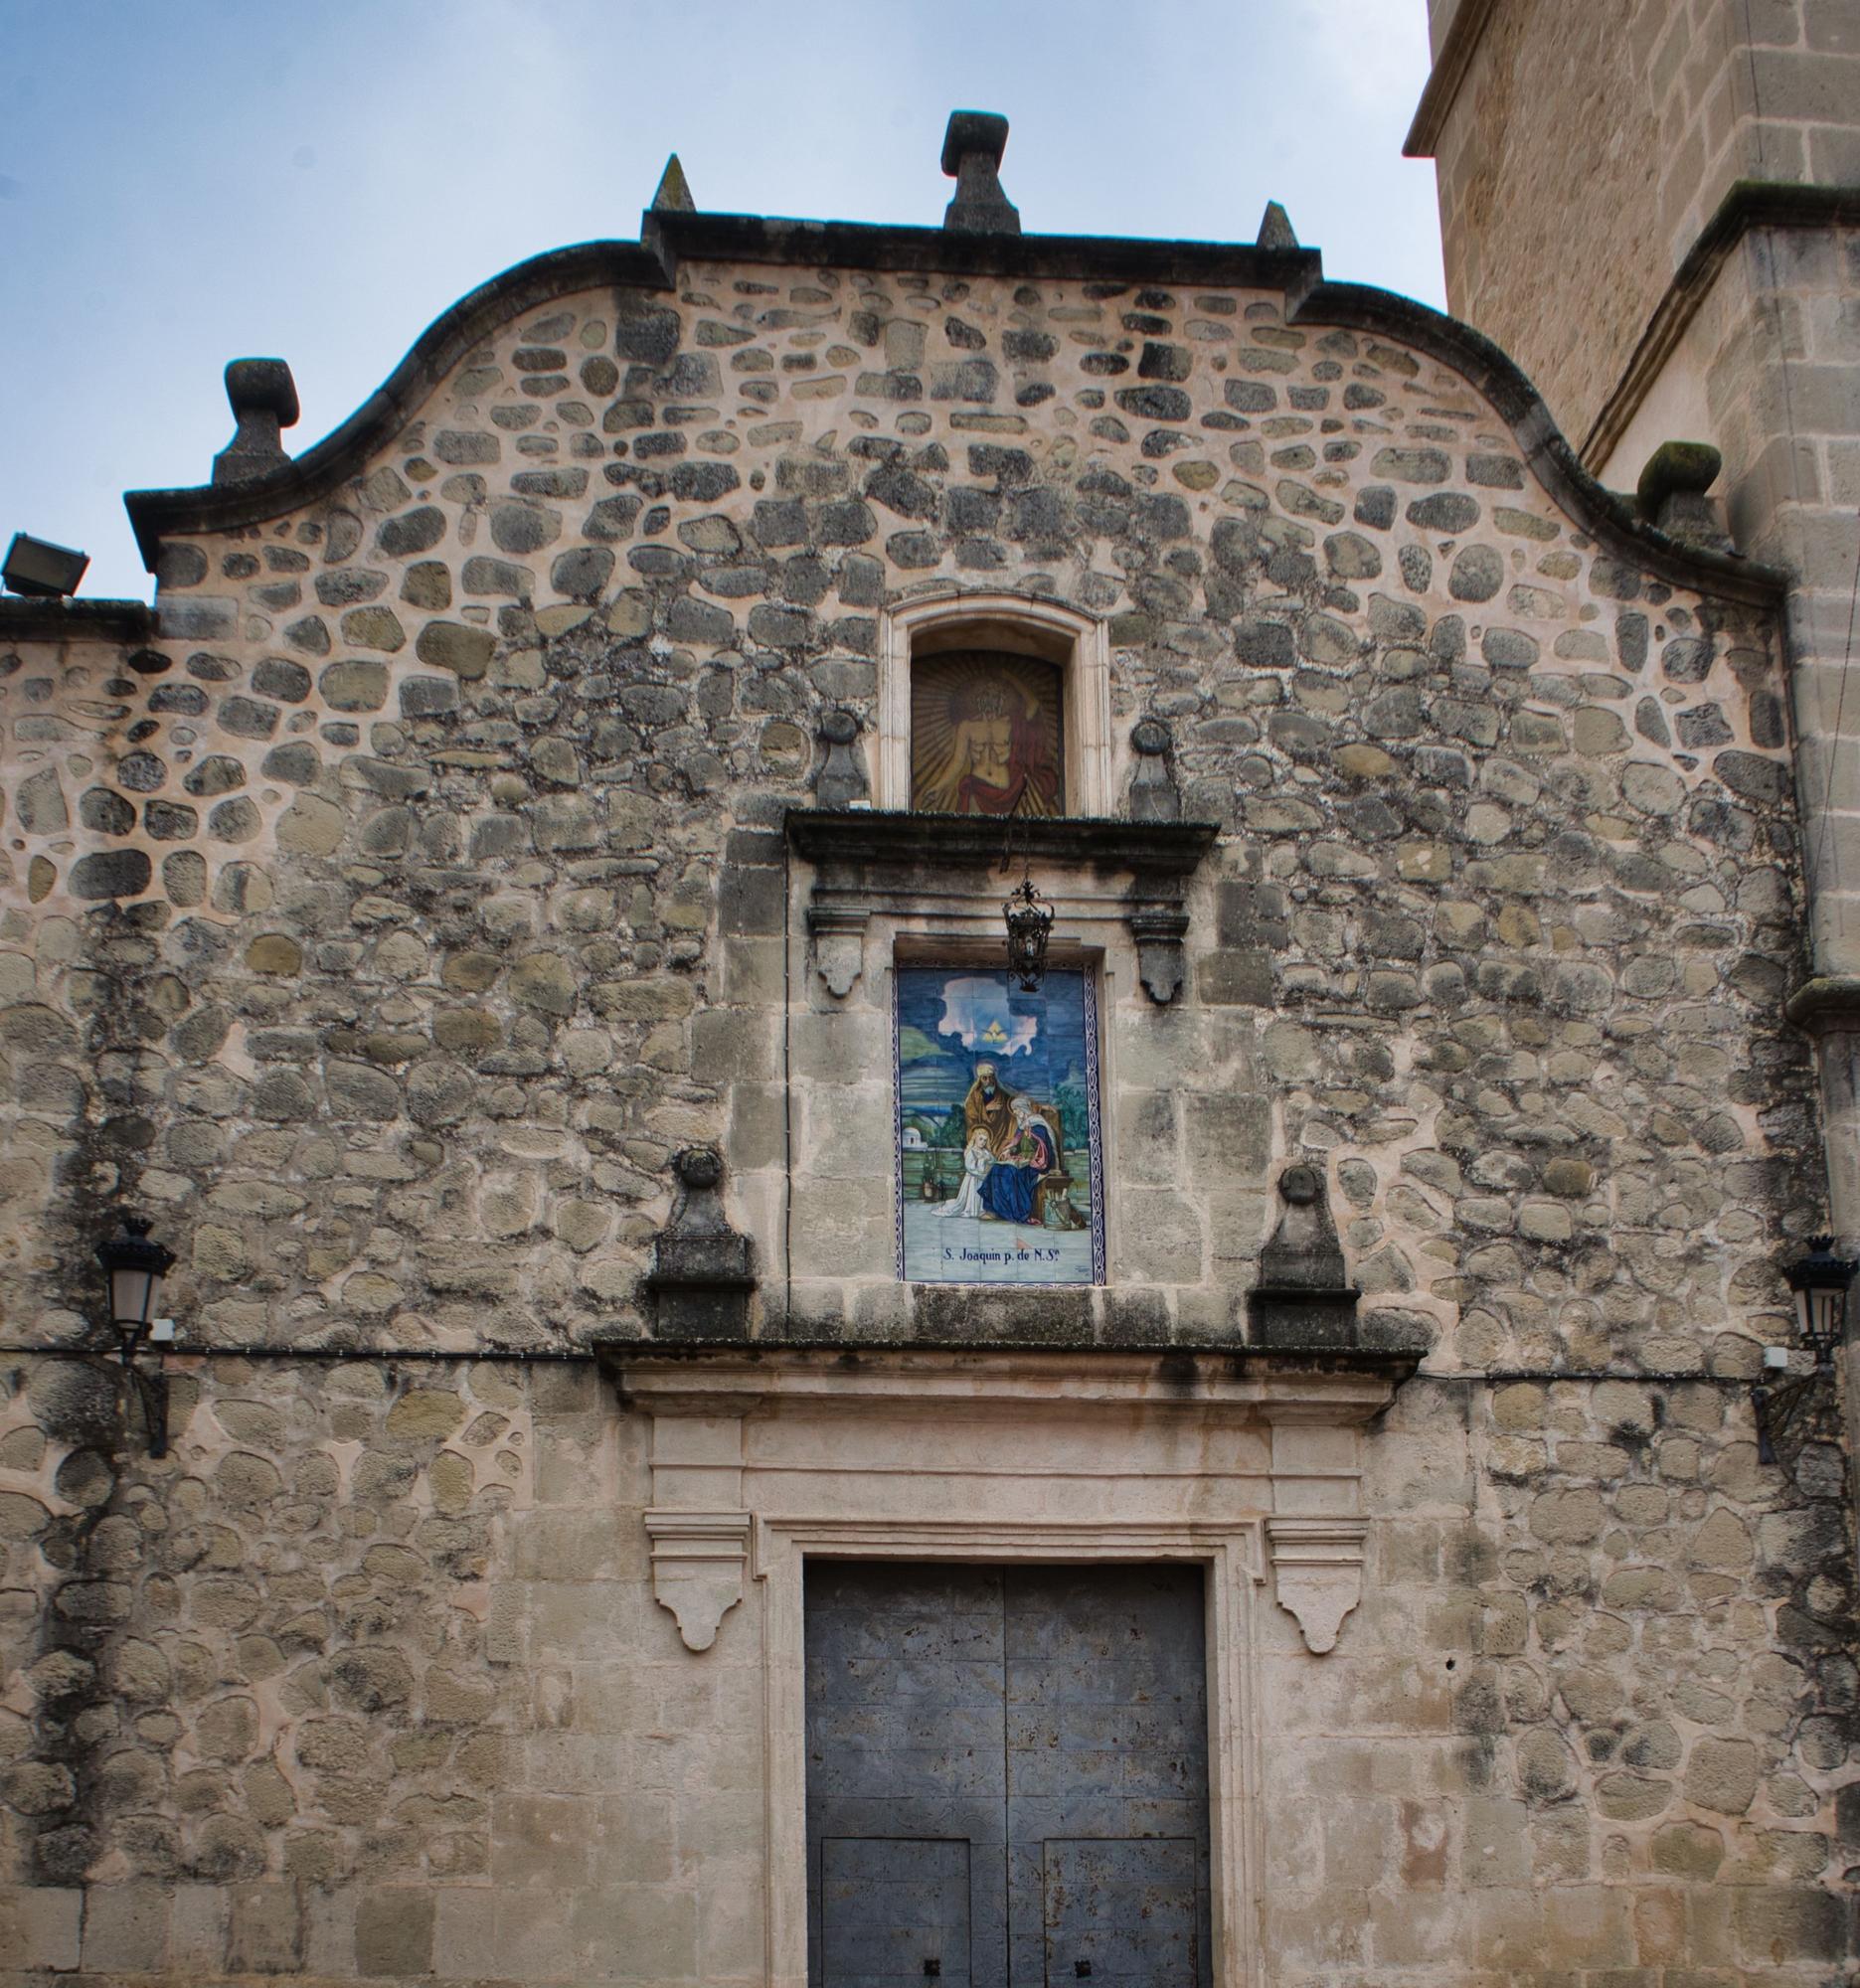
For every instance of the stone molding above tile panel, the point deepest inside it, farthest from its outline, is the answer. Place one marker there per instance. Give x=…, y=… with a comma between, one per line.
x=867, y=861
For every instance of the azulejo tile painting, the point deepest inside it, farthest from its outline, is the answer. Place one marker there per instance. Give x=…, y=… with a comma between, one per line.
x=998, y=1174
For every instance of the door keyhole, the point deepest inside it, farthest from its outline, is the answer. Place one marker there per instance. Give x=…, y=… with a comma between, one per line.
x=1082, y=1968
x=932, y=1966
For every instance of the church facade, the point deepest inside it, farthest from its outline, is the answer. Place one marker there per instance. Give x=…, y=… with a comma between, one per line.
x=722, y=1425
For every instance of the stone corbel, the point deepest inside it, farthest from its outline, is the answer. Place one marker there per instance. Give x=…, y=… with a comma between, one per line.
x=699, y=1562
x=1159, y=930
x=839, y=935
x=1317, y=1572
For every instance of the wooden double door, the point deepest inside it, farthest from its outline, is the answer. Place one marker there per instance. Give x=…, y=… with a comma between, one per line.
x=1007, y=1775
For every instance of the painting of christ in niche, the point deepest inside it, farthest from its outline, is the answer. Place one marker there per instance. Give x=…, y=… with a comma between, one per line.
x=998, y=1175
x=985, y=735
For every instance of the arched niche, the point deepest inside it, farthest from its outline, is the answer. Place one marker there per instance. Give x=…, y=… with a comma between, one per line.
x=1073, y=642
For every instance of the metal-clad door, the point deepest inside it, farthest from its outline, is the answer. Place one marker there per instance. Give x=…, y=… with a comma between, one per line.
x=904, y=1738
x=1007, y=1775
x=1107, y=1763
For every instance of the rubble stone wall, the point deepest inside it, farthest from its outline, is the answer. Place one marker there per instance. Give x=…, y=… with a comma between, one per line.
x=387, y=923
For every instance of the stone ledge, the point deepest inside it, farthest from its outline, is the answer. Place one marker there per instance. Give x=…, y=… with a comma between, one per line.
x=887, y=842
x=1830, y=1000
x=1349, y=1387
x=869, y=860
x=1440, y=91
x=24, y=618
x=1746, y=204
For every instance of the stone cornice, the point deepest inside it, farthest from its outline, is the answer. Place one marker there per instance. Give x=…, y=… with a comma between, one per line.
x=869, y=838
x=1330, y=1386
x=1746, y=204
x=24, y=618
x=850, y=245
x=651, y=265
x=1609, y=518
x=445, y=342
x=1449, y=73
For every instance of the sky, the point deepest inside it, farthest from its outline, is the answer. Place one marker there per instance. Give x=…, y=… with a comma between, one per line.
x=184, y=182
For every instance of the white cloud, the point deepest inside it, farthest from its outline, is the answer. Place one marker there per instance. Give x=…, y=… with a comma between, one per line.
x=976, y=1010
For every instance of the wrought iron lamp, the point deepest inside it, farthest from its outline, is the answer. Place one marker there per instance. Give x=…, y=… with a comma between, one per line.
x=1820, y=1281
x=1028, y=918
x=135, y=1268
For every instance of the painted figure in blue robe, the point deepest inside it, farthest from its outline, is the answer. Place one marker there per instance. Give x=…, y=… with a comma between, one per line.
x=1009, y=1190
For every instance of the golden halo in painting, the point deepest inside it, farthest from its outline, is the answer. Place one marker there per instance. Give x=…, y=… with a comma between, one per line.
x=985, y=735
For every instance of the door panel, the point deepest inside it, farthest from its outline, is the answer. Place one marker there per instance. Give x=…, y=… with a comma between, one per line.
x=904, y=1743
x=1121, y=1914
x=1107, y=1746
x=1017, y=1752
x=894, y=1912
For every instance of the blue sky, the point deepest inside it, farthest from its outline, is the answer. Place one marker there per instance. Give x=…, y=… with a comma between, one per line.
x=183, y=182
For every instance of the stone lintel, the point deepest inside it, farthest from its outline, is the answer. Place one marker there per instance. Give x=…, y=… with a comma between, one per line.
x=746, y=1441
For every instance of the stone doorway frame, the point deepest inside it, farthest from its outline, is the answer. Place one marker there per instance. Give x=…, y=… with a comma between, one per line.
x=1250, y=1462
x=1232, y=1559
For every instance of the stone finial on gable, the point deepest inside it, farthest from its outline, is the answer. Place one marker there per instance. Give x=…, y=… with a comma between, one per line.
x=263, y=400
x=674, y=190
x=971, y=156
x=1276, y=228
x=1671, y=493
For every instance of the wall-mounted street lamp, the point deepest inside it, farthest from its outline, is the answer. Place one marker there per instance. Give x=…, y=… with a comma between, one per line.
x=135, y=1268
x=1820, y=1281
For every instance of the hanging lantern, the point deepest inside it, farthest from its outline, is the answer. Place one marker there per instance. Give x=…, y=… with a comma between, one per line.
x=1028, y=918
x=1820, y=1281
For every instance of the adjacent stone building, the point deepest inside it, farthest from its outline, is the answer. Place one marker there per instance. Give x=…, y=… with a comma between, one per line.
x=1700, y=163
x=522, y=917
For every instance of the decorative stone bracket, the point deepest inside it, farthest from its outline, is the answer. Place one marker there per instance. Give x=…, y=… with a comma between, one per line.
x=869, y=862
x=1317, y=1572
x=699, y=1560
